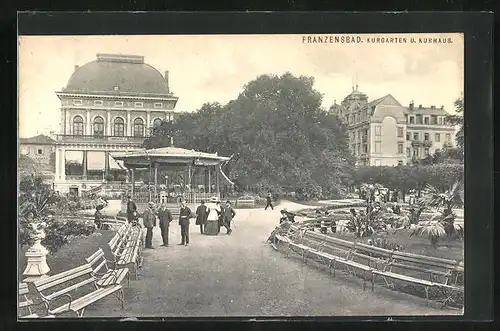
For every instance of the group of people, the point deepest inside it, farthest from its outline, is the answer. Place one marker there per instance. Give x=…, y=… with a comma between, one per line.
x=210, y=217
x=372, y=194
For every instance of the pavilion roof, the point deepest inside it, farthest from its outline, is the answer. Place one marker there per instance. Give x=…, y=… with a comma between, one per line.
x=166, y=153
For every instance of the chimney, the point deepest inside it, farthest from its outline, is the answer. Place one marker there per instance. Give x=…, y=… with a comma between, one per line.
x=442, y=107
x=419, y=106
x=166, y=79
x=411, y=105
x=433, y=107
x=76, y=67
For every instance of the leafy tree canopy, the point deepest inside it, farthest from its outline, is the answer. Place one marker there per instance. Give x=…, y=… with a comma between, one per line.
x=281, y=137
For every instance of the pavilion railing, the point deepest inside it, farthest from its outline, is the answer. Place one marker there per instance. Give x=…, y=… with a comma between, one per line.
x=190, y=197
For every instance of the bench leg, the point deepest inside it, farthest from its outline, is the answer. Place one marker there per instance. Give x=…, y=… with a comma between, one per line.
x=426, y=288
x=128, y=279
x=119, y=295
x=80, y=314
x=364, y=280
x=334, y=267
x=373, y=281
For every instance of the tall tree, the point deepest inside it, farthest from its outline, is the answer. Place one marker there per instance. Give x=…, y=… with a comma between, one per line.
x=282, y=138
x=459, y=121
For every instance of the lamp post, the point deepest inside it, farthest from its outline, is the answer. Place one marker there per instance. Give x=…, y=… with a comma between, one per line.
x=166, y=184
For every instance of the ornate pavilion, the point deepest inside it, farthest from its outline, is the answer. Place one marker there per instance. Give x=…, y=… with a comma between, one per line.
x=197, y=175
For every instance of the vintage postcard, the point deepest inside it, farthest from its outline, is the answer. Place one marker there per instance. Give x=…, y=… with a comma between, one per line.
x=241, y=175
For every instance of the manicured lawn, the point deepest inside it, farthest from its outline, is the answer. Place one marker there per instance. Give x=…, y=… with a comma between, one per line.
x=72, y=254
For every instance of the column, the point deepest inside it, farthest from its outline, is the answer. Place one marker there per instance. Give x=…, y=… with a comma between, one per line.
x=209, y=179
x=64, y=122
x=132, y=172
x=58, y=164
x=217, y=179
x=128, y=133
x=63, y=164
x=148, y=121
x=106, y=163
x=84, y=163
x=108, y=123
x=156, y=177
x=88, y=130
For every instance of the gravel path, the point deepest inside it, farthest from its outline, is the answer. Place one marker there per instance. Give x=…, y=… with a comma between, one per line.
x=241, y=275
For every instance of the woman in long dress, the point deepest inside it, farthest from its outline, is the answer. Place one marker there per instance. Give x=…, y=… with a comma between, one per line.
x=212, y=225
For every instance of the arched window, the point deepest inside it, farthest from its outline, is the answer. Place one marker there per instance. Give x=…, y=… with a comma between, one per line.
x=157, y=122
x=99, y=126
x=78, y=126
x=119, y=127
x=138, y=127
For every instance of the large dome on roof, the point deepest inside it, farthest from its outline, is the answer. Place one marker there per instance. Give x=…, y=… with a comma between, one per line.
x=118, y=74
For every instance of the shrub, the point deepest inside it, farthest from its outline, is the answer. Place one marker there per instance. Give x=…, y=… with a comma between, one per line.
x=58, y=232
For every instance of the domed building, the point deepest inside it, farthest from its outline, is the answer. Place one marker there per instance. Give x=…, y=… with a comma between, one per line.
x=108, y=105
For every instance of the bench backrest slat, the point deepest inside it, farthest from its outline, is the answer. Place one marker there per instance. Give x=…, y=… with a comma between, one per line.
x=23, y=289
x=63, y=277
x=69, y=289
x=424, y=260
x=92, y=259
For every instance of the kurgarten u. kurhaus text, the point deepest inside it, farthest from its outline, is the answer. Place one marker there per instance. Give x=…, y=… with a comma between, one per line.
x=342, y=39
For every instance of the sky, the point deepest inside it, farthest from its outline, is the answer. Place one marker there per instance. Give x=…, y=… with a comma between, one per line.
x=214, y=68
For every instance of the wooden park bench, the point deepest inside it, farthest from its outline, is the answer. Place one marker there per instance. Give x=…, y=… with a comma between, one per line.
x=81, y=283
x=127, y=249
x=245, y=203
x=428, y=272
x=26, y=305
x=105, y=270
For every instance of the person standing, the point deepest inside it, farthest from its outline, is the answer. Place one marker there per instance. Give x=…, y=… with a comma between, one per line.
x=201, y=215
x=149, y=222
x=184, y=216
x=212, y=220
x=165, y=217
x=98, y=216
x=228, y=217
x=220, y=211
x=269, y=201
x=131, y=210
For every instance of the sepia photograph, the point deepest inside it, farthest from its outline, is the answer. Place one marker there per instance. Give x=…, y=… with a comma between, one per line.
x=240, y=175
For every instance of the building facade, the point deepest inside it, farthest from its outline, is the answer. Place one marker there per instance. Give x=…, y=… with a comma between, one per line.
x=108, y=105
x=38, y=148
x=382, y=132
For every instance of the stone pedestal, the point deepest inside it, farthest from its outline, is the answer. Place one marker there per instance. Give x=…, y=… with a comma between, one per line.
x=36, y=267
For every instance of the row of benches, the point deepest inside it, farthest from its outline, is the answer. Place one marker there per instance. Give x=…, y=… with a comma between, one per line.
x=428, y=272
x=72, y=291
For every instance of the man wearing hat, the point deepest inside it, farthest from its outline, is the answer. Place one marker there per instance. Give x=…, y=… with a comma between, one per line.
x=149, y=222
x=228, y=215
x=131, y=209
x=165, y=217
x=184, y=215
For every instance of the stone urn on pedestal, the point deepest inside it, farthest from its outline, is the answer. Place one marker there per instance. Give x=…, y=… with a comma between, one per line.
x=36, y=267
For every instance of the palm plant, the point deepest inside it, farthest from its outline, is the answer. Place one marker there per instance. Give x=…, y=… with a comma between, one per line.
x=364, y=225
x=444, y=223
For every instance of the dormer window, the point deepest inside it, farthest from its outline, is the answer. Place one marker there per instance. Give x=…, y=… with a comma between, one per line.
x=118, y=103
x=138, y=105
x=116, y=88
x=77, y=102
x=158, y=105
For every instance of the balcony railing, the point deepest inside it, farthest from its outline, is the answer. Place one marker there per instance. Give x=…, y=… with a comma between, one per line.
x=424, y=143
x=96, y=138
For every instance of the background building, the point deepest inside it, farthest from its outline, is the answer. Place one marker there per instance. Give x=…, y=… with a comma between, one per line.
x=108, y=105
x=38, y=148
x=385, y=133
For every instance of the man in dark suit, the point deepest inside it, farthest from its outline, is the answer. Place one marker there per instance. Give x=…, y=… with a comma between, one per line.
x=149, y=222
x=184, y=215
x=131, y=209
x=269, y=200
x=165, y=217
x=201, y=215
x=228, y=215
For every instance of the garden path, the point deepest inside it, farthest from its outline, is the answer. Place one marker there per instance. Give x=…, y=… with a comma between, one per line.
x=241, y=275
